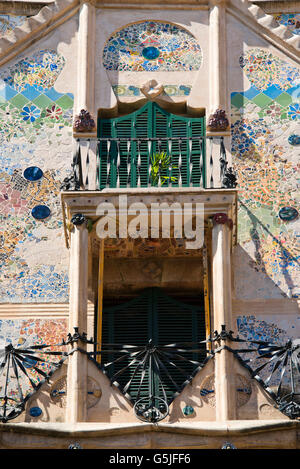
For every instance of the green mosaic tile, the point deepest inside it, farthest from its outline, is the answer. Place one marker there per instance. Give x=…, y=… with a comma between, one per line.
x=65, y=102
x=262, y=100
x=238, y=100
x=19, y=101
x=42, y=101
x=284, y=99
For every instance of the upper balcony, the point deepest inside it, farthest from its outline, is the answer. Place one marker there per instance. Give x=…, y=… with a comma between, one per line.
x=150, y=148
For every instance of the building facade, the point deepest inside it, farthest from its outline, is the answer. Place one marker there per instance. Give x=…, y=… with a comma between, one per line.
x=173, y=129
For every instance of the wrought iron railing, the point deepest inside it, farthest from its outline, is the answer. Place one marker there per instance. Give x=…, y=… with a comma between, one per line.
x=101, y=163
x=276, y=367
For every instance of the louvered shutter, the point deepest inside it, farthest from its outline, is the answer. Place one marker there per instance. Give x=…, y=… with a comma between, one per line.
x=154, y=315
x=151, y=121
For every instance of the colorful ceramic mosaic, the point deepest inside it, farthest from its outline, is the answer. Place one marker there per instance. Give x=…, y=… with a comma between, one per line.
x=264, y=118
x=35, y=131
x=169, y=90
x=23, y=333
x=258, y=328
x=152, y=46
x=9, y=22
x=290, y=20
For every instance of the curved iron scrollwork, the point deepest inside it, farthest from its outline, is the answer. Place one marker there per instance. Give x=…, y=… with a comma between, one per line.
x=275, y=367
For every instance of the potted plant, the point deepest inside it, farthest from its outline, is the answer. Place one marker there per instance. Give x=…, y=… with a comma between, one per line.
x=161, y=162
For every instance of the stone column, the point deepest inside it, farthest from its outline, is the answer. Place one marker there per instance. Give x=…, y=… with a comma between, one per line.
x=221, y=283
x=217, y=56
x=86, y=58
x=77, y=362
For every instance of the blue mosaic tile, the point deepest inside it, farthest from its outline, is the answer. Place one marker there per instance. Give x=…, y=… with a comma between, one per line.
x=251, y=92
x=273, y=91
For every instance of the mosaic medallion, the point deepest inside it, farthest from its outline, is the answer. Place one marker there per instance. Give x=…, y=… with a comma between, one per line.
x=33, y=173
x=40, y=212
x=35, y=411
x=294, y=140
x=288, y=213
x=152, y=46
x=188, y=410
x=94, y=392
x=243, y=390
x=58, y=392
x=207, y=390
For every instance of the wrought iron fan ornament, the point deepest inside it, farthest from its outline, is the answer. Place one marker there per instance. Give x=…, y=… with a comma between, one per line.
x=31, y=365
x=284, y=361
x=24, y=370
x=154, y=360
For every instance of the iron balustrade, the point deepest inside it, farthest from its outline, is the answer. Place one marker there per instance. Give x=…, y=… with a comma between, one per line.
x=100, y=163
x=274, y=366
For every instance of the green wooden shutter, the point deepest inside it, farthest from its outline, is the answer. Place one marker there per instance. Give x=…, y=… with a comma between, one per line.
x=153, y=315
x=152, y=121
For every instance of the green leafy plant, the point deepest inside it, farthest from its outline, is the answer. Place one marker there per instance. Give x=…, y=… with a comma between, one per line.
x=161, y=162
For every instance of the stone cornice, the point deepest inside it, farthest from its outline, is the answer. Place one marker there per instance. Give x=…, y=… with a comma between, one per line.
x=36, y=27
x=263, y=24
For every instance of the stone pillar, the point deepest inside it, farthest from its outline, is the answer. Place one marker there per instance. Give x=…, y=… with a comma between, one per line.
x=77, y=362
x=86, y=58
x=217, y=56
x=221, y=283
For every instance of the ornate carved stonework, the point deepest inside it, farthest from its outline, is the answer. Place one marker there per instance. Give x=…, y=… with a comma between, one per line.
x=218, y=121
x=151, y=89
x=84, y=122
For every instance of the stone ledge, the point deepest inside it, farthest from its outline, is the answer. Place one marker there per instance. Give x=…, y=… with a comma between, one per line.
x=200, y=428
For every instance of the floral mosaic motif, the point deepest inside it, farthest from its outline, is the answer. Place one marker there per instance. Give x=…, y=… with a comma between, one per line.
x=290, y=20
x=169, y=90
x=152, y=46
x=9, y=22
x=35, y=130
x=263, y=118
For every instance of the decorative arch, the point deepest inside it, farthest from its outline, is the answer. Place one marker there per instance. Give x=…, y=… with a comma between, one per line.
x=152, y=46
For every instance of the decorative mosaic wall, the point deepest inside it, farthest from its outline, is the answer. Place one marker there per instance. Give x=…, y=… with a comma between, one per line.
x=265, y=148
x=9, y=22
x=35, y=154
x=290, y=20
x=258, y=328
x=24, y=333
x=152, y=46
